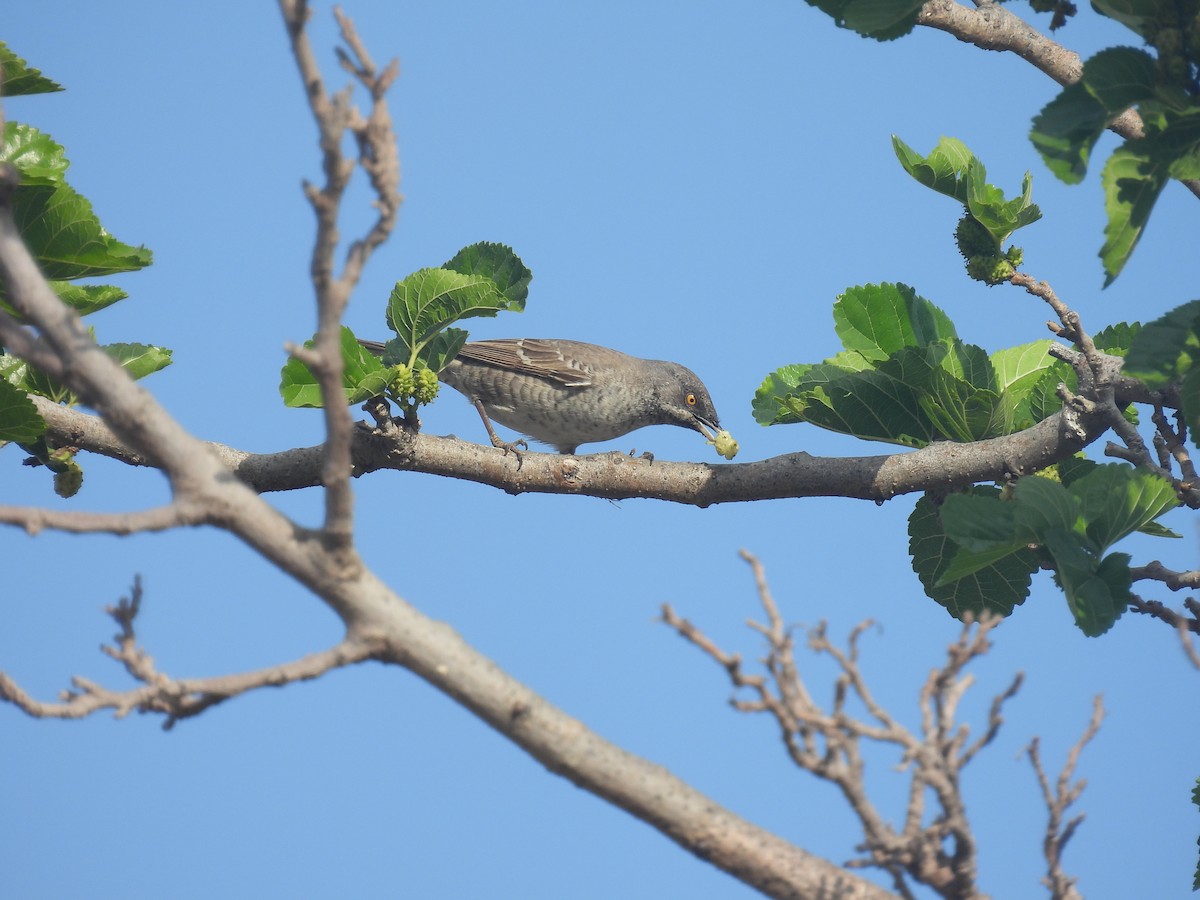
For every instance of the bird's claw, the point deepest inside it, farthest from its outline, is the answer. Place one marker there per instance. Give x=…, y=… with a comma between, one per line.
x=517, y=448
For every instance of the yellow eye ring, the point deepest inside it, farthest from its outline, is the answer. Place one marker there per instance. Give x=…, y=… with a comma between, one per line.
x=690, y=399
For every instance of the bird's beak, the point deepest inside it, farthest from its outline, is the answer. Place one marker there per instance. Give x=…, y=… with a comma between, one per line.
x=706, y=427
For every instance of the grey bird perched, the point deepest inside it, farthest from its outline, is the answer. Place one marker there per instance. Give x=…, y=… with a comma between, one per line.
x=567, y=393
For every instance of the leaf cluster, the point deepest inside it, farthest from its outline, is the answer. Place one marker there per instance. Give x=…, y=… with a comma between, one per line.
x=977, y=551
x=482, y=279
x=1162, y=82
x=66, y=238
x=905, y=377
x=989, y=218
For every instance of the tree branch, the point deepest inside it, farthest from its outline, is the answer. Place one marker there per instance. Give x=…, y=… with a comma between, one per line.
x=939, y=854
x=940, y=466
x=991, y=26
x=174, y=698
x=1058, y=801
x=379, y=157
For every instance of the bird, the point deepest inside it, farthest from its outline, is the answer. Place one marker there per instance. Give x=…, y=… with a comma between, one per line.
x=566, y=393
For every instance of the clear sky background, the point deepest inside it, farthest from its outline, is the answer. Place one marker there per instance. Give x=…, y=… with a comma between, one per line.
x=692, y=181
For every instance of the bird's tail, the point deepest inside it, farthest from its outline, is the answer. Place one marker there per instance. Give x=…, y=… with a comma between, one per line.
x=375, y=347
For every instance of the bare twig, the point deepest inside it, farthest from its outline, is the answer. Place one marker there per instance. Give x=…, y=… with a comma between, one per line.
x=379, y=158
x=175, y=699
x=1059, y=800
x=938, y=853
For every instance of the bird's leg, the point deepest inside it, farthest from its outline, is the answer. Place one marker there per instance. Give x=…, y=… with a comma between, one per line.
x=497, y=442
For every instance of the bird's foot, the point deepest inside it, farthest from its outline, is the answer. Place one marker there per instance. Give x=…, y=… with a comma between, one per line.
x=646, y=455
x=516, y=448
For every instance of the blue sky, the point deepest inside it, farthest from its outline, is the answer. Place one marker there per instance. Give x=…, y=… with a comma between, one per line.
x=690, y=181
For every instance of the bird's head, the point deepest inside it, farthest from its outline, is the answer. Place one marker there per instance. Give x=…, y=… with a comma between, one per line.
x=685, y=401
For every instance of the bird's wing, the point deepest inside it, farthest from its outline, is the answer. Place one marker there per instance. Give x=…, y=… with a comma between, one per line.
x=542, y=358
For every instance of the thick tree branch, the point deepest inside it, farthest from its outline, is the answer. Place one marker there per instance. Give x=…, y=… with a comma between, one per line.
x=940, y=466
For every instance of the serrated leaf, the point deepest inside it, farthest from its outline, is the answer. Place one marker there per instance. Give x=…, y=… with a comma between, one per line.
x=997, y=587
x=987, y=205
x=86, y=299
x=20, y=78
x=1068, y=126
x=1132, y=183
x=428, y=300
x=1189, y=403
x=1043, y=395
x=65, y=236
x=1097, y=591
x=1154, y=529
x=39, y=159
x=870, y=404
x=1018, y=373
x=363, y=376
x=1116, y=339
x=943, y=170
x=876, y=320
x=1117, y=500
x=19, y=418
x=1166, y=348
x=1042, y=504
x=768, y=404
x=499, y=263
x=883, y=20
x=139, y=360
x=443, y=348
x=298, y=386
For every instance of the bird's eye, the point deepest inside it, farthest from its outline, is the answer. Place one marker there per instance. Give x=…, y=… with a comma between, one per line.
x=690, y=399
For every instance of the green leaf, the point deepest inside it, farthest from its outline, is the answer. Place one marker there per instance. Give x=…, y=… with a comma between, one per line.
x=139, y=360
x=499, y=263
x=65, y=236
x=20, y=77
x=1042, y=504
x=363, y=376
x=943, y=170
x=443, y=348
x=428, y=300
x=298, y=385
x=883, y=20
x=1120, y=77
x=37, y=157
x=1116, y=339
x=1067, y=128
x=1155, y=529
x=1019, y=374
x=997, y=586
x=769, y=405
x=1132, y=182
x=19, y=419
x=1043, y=396
x=1117, y=500
x=1167, y=348
x=86, y=299
x=999, y=216
x=1189, y=403
x=876, y=320
x=872, y=405
x=1097, y=591
x=1139, y=16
